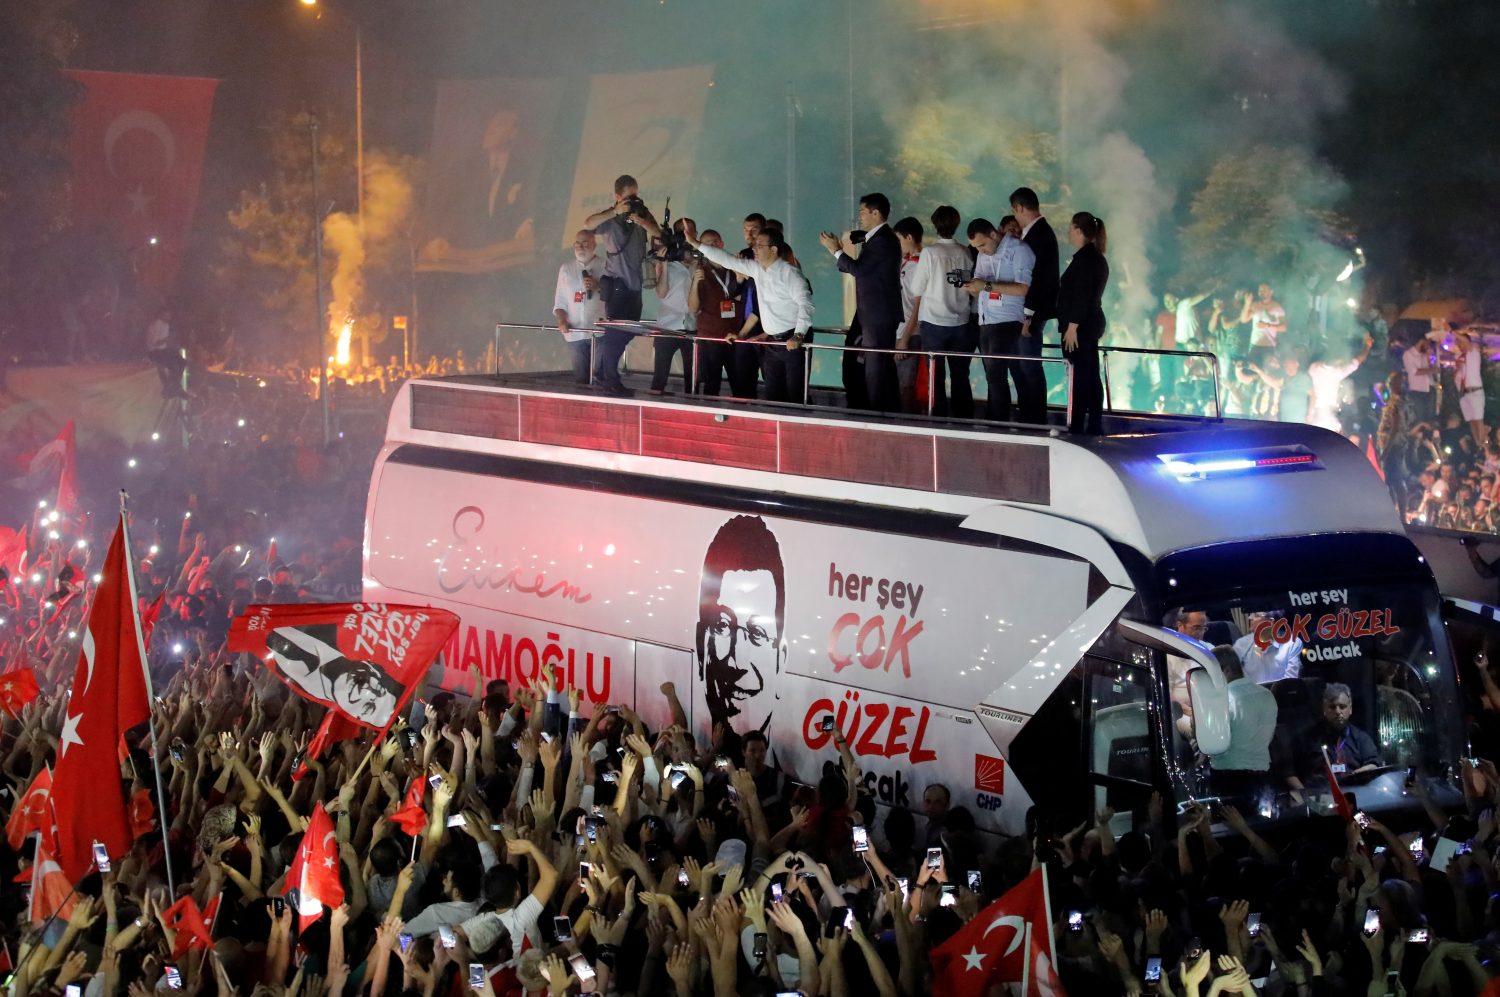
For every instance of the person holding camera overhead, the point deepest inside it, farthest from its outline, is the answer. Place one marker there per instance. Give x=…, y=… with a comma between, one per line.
x=624, y=231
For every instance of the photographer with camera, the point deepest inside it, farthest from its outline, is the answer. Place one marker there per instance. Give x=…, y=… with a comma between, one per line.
x=785, y=310
x=625, y=230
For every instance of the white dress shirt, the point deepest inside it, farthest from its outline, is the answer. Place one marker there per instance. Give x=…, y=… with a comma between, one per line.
x=785, y=297
x=672, y=307
x=942, y=303
x=584, y=309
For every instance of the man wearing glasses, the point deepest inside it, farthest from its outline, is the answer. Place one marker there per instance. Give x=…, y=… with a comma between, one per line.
x=741, y=609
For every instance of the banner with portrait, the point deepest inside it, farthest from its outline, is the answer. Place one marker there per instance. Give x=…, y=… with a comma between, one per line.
x=490, y=145
x=361, y=660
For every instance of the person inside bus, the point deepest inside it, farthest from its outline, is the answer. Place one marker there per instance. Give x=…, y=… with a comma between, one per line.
x=1349, y=749
x=1190, y=623
x=741, y=610
x=1240, y=770
x=1273, y=662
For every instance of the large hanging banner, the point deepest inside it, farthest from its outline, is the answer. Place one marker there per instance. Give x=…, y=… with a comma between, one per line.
x=490, y=140
x=643, y=124
x=137, y=156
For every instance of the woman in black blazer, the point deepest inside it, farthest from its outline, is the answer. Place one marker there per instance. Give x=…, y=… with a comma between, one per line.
x=1080, y=315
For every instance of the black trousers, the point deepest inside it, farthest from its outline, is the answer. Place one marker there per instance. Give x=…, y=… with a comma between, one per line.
x=855, y=393
x=882, y=387
x=1001, y=337
x=665, y=348
x=715, y=360
x=784, y=372
x=621, y=303
x=1086, y=410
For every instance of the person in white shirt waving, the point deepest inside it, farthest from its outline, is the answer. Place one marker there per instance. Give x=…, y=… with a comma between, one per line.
x=785, y=310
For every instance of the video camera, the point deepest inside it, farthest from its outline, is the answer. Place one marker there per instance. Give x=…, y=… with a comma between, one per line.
x=960, y=277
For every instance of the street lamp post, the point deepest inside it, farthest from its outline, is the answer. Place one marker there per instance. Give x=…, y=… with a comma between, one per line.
x=359, y=117
x=317, y=237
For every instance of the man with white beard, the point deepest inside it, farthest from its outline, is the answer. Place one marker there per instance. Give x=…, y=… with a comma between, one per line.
x=577, y=304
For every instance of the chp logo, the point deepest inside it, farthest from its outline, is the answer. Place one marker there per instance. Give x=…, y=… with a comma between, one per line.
x=989, y=780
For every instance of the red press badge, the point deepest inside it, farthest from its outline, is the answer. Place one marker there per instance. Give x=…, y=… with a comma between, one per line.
x=726, y=308
x=577, y=297
x=994, y=295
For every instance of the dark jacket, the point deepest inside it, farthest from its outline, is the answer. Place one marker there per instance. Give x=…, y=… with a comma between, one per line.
x=877, y=286
x=1080, y=294
x=1041, y=296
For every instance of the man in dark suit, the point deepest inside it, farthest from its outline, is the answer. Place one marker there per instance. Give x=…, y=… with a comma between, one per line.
x=1041, y=301
x=877, y=294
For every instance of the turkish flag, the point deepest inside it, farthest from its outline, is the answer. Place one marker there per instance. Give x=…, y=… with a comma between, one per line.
x=334, y=728
x=59, y=457
x=17, y=688
x=313, y=881
x=149, y=616
x=193, y=928
x=51, y=892
x=12, y=550
x=412, y=816
x=137, y=152
x=1009, y=942
x=359, y=659
x=1340, y=801
x=109, y=698
x=33, y=812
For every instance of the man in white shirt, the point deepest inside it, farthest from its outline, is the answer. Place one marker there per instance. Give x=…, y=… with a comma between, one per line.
x=577, y=305
x=910, y=233
x=785, y=310
x=676, y=312
x=1002, y=276
x=461, y=900
x=1468, y=380
x=1328, y=376
x=1272, y=662
x=1243, y=768
x=1417, y=360
x=502, y=885
x=941, y=315
x=1267, y=322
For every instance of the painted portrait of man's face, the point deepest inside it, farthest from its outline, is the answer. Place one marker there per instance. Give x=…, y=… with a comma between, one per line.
x=741, y=611
x=310, y=658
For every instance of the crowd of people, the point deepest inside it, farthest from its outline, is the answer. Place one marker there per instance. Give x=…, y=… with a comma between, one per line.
x=564, y=847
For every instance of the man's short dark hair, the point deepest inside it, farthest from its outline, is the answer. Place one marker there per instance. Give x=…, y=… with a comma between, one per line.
x=1229, y=662
x=754, y=737
x=909, y=227
x=980, y=226
x=756, y=217
x=624, y=182
x=385, y=857
x=774, y=239
x=744, y=543
x=466, y=879
x=878, y=203
x=1025, y=198
x=709, y=232
x=945, y=219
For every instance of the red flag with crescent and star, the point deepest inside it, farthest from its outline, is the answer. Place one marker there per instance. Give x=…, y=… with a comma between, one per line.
x=411, y=817
x=17, y=688
x=137, y=154
x=313, y=882
x=1009, y=942
x=33, y=812
x=109, y=698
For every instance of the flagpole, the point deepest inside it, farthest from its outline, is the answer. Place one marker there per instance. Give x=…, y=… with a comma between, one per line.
x=135, y=616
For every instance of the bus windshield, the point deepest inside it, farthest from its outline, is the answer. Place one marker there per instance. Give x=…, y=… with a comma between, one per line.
x=1357, y=675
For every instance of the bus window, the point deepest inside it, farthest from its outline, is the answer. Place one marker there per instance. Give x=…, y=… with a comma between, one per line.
x=1352, y=673
x=1117, y=740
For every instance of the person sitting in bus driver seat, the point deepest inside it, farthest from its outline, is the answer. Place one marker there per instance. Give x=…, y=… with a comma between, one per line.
x=1241, y=769
x=1274, y=661
x=1349, y=749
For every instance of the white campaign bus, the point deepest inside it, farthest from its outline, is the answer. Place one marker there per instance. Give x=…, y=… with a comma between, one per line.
x=986, y=607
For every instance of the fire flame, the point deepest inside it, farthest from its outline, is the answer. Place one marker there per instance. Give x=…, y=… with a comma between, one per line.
x=341, y=352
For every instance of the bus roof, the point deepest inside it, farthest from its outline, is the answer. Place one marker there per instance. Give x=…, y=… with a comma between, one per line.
x=1154, y=484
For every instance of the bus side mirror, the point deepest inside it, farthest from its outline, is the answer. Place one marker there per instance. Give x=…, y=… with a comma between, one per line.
x=1207, y=690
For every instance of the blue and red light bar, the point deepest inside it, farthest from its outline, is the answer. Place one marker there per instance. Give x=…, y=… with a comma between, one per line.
x=1191, y=466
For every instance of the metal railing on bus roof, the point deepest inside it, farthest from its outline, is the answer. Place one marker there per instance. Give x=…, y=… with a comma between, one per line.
x=647, y=331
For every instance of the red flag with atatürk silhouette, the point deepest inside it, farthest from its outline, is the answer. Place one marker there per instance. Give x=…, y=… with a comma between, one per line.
x=313, y=881
x=137, y=154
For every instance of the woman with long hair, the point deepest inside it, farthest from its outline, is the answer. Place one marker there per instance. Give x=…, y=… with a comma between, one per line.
x=1080, y=314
